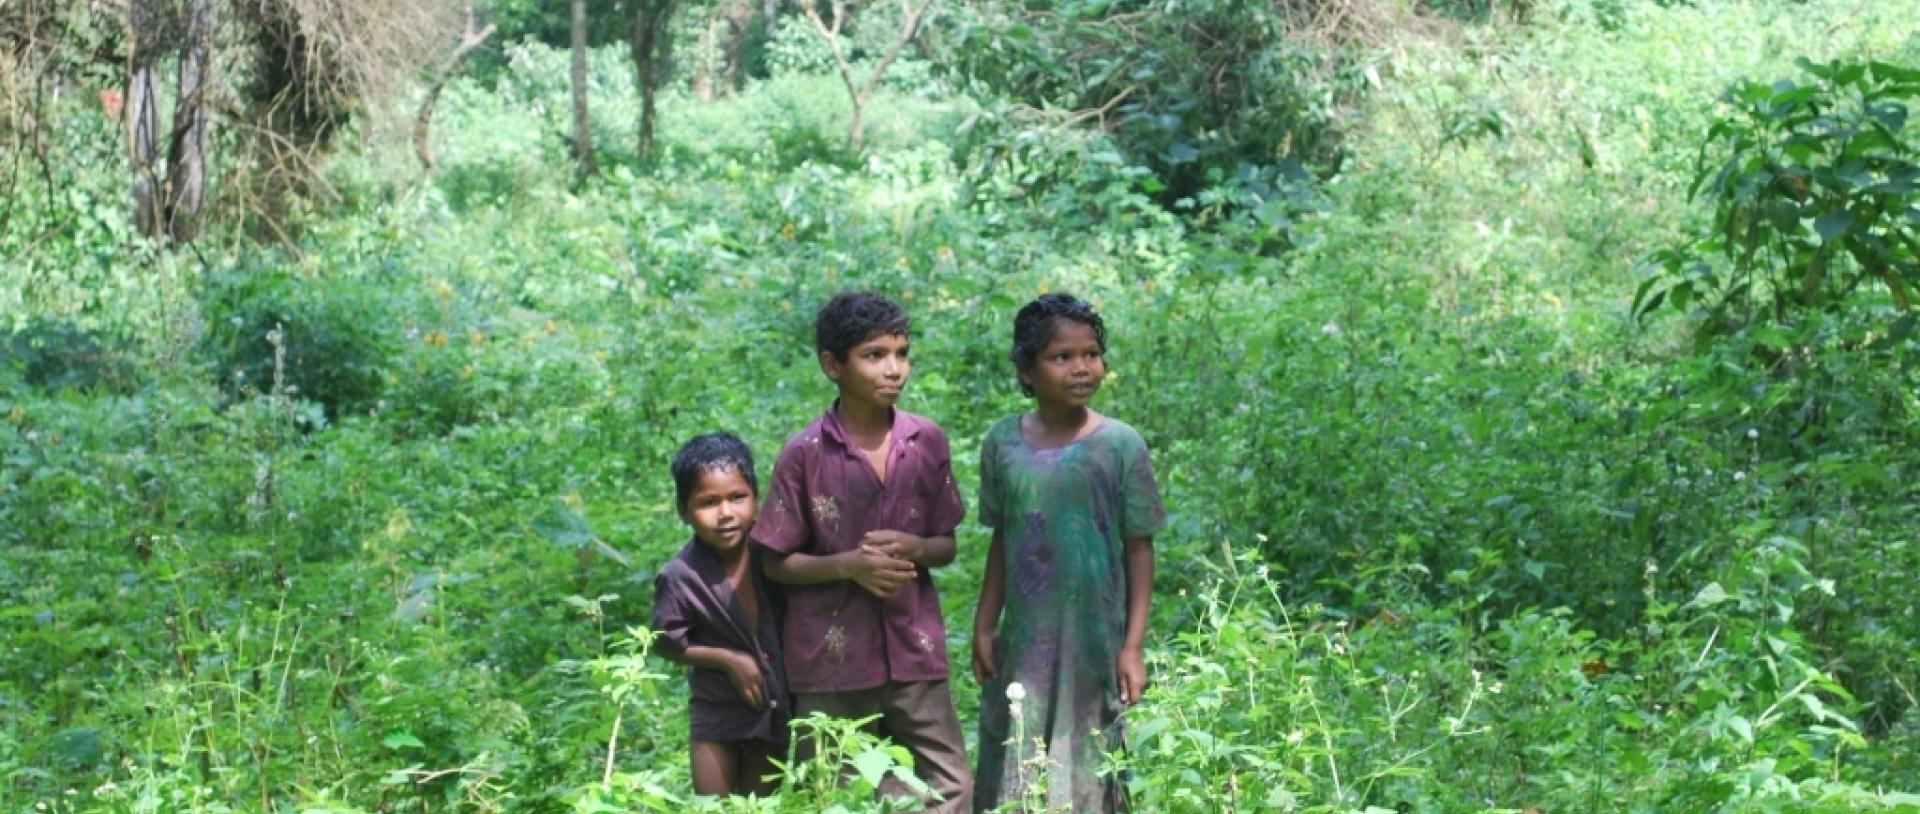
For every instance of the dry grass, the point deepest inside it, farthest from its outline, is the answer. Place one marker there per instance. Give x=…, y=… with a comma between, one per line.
x=362, y=50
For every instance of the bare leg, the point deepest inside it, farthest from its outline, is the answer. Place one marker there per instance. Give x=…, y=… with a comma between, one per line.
x=716, y=767
x=756, y=762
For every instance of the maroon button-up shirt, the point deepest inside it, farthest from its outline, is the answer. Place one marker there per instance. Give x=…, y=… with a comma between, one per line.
x=824, y=498
x=694, y=605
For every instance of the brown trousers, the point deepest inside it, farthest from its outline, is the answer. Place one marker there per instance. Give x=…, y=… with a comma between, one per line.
x=918, y=715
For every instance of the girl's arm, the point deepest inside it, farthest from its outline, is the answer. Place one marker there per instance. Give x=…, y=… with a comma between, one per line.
x=739, y=668
x=993, y=592
x=1133, y=663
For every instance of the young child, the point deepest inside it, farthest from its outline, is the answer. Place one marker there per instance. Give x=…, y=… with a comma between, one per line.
x=713, y=614
x=1070, y=496
x=862, y=504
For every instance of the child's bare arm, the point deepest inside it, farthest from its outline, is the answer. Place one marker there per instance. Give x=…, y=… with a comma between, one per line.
x=927, y=552
x=881, y=574
x=740, y=669
x=993, y=595
x=1133, y=664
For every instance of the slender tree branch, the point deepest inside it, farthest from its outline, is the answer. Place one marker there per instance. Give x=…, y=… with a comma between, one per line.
x=423, y=121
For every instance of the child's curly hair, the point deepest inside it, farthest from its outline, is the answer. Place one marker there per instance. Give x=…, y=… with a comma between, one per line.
x=1037, y=322
x=714, y=452
x=853, y=317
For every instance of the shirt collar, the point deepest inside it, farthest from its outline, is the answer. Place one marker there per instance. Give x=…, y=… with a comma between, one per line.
x=904, y=425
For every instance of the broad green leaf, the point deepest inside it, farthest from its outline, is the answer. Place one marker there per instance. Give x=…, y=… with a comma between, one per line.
x=873, y=765
x=564, y=526
x=402, y=739
x=1833, y=225
x=1710, y=596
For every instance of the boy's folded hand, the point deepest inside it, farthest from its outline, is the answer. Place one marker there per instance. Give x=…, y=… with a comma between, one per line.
x=745, y=676
x=880, y=573
x=897, y=544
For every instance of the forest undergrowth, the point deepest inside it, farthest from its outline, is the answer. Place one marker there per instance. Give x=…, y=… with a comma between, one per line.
x=365, y=521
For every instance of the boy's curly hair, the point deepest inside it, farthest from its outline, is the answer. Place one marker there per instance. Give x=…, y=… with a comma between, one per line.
x=853, y=317
x=1039, y=320
x=714, y=452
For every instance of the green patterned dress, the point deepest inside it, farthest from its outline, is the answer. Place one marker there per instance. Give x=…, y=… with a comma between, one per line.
x=1064, y=516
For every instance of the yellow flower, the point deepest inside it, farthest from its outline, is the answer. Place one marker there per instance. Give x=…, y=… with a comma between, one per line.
x=466, y=373
x=436, y=339
x=479, y=339
x=18, y=416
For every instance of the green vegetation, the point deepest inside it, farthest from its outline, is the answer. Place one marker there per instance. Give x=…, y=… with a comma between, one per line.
x=360, y=515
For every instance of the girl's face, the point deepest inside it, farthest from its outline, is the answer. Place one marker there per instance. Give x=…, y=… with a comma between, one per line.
x=720, y=510
x=1068, y=371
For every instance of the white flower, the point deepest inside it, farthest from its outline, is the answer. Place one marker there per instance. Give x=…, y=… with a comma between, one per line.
x=1753, y=432
x=1016, y=693
x=1330, y=329
x=1739, y=476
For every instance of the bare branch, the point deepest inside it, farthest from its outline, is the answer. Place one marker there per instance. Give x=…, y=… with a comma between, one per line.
x=423, y=121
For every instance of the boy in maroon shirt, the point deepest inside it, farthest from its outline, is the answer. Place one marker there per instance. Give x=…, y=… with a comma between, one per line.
x=713, y=614
x=862, y=503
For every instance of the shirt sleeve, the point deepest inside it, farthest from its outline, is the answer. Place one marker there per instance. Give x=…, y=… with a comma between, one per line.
x=672, y=615
x=782, y=527
x=945, y=508
x=1142, y=514
x=991, y=511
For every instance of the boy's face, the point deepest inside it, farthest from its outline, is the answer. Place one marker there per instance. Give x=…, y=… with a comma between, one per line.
x=874, y=372
x=720, y=509
x=1069, y=369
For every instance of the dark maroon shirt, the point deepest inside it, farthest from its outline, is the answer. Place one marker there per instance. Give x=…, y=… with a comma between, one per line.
x=824, y=498
x=694, y=605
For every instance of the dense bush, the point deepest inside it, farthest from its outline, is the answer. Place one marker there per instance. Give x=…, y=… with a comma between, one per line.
x=1214, y=97
x=1816, y=192
x=59, y=355
x=325, y=341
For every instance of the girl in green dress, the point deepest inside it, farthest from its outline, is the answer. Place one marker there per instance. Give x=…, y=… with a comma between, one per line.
x=1058, y=637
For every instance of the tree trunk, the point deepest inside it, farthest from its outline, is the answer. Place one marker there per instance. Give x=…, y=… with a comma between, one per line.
x=703, y=81
x=859, y=93
x=652, y=41
x=582, y=136
x=187, y=147
x=423, y=121
x=145, y=27
x=739, y=19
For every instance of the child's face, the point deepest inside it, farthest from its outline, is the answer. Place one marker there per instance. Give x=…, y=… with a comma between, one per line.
x=1068, y=371
x=720, y=509
x=874, y=372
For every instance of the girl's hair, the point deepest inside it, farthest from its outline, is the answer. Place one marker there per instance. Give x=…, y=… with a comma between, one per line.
x=853, y=317
x=716, y=452
x=1039, y=320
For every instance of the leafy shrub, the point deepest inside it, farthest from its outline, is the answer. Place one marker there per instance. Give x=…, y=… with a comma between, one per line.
x=795, y=48
x=1205, y=93
x=1816, y=196
x=57, y=355
x=334, y=337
